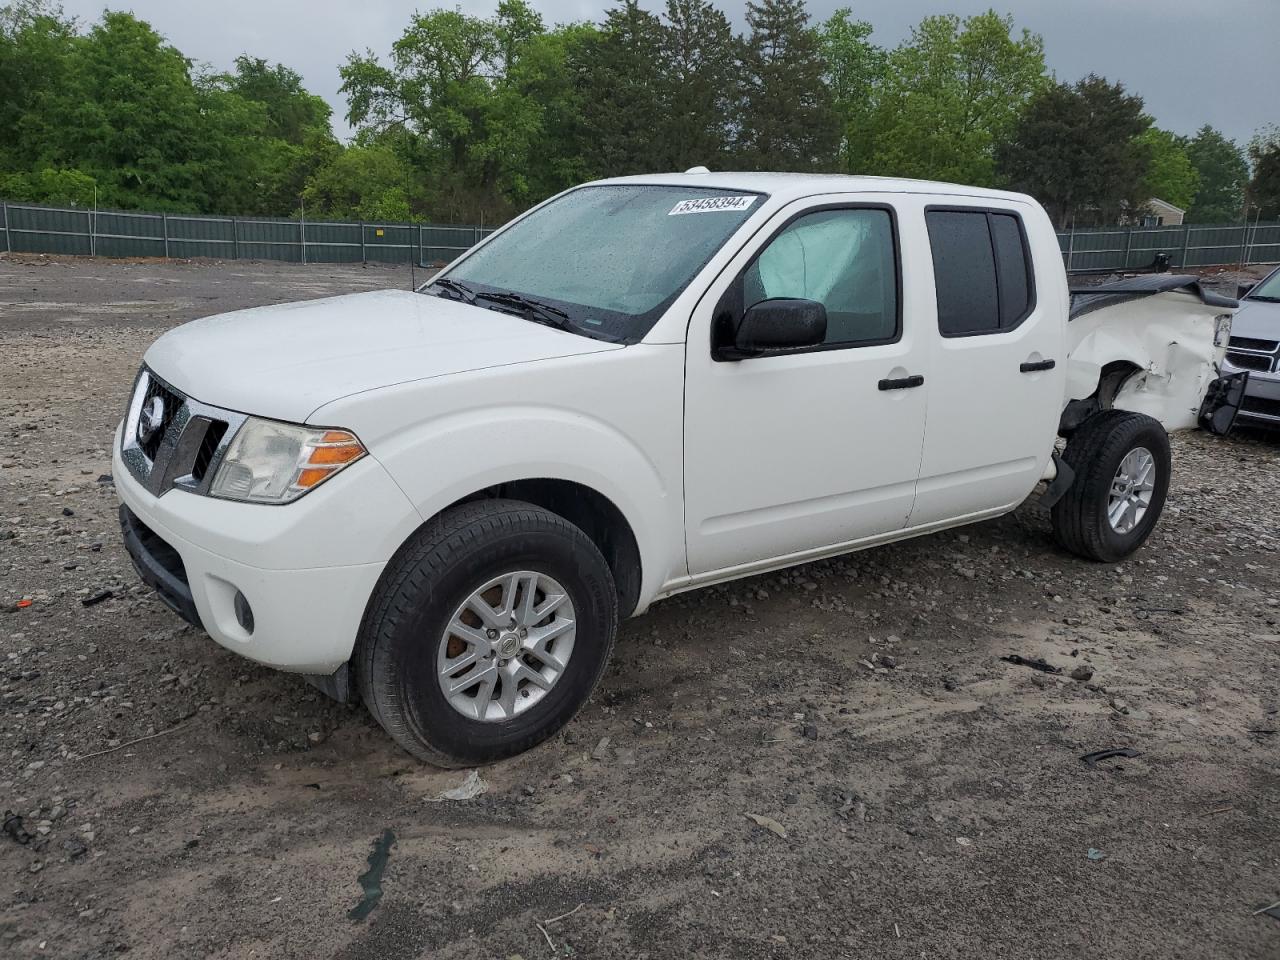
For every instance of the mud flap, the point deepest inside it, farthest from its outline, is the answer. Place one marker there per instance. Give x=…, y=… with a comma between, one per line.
x=1061, y=482
x=1222, y=403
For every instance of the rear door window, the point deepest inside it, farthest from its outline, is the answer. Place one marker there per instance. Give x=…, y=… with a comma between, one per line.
x=981, y=271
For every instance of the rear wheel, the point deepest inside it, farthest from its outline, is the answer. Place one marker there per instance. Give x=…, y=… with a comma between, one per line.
x=1122, y=463
x=488, y=632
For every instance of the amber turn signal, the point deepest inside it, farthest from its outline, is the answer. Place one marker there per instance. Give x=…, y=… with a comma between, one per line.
x=336, y=448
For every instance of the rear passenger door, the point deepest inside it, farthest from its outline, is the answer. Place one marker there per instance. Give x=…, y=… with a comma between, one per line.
x=997, y=369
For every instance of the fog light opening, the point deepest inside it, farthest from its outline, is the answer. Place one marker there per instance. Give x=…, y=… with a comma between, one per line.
x=244, y=612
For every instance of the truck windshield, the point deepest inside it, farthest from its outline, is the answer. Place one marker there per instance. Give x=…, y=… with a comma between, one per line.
x=601, y=261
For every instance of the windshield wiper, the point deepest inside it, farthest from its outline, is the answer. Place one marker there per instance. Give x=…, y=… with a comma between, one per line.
x=461, y=289
x=531, y=309
x=1264, y=298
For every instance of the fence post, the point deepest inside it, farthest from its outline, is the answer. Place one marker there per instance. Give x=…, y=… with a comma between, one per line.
x=302, y=232
x=235, y=238
x=8, y=241
x=363, y=257
x=164, y=220
x=1071, y=244
x=1244, y=236
x=1186, y=245
x=1128, y=246
x=419, y=261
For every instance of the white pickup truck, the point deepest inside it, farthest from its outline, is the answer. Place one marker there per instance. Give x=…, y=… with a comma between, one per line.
x=442, y=501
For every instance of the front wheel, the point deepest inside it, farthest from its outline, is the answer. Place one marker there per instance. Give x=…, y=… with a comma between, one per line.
x=488, y=632
x=1122, y=463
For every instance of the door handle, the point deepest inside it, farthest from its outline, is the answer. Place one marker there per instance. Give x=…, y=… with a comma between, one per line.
x=902, y=383
x=1033, y=366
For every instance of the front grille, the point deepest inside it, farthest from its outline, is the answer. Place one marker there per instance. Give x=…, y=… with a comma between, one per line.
x=166, y=558
x=208, y=447
x=171, y=403
x=1249, y=343
x=1250, y=361
x=1261, y=406
x=159, y=565
x=172, y=440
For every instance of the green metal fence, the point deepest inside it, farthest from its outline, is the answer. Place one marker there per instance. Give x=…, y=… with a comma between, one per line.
x=1188, y=245
x=32, y=228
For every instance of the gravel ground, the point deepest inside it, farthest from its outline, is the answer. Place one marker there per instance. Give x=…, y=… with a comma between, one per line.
x=829, y=762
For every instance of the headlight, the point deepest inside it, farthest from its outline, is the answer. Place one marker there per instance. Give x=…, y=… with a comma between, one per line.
x=272, y=462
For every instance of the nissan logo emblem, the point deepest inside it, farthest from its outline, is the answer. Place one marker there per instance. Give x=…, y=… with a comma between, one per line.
x=151, y=419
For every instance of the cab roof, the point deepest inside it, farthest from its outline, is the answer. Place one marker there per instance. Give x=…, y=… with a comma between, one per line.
x=785, y=187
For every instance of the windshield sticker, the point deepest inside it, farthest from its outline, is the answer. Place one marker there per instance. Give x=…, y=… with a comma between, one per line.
x=711, y=205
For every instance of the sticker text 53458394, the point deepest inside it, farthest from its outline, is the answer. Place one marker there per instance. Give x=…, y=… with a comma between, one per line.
x=711, y=205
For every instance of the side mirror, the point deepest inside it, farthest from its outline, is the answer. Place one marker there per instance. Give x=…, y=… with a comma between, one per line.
x=1245, y=287
x=777, y=325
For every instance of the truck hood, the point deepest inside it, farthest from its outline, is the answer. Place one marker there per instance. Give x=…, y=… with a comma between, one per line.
x=287, y=360
x=1257, y=319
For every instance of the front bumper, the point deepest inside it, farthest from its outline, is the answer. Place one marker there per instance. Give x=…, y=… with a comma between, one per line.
x=307, y=569
x=1261, y=406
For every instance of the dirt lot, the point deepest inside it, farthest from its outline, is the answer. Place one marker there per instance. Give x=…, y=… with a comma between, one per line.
x=929, y=797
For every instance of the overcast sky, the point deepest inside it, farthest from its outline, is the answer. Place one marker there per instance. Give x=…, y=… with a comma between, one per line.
x=1192, y=60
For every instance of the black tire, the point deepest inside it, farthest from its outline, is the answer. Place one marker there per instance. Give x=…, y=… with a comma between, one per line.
x=1094, y=452
x=429, y=578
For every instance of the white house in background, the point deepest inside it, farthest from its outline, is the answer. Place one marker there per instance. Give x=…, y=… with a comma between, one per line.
x=1158, y=213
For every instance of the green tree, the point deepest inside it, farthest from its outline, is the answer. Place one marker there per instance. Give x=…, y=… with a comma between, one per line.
x=555, y=151
x=855, y=75
x=37, y=45
x=460, y=100
x=1171, y=177
x=786, y=122
x=618, y=73
x=698, y=89
x=951, y=94
x=1078, y=149
x=130, y=116
x=1264, y=186
x=364, y=183
x=292, y=112
x=1223, y=174
x=61, y=187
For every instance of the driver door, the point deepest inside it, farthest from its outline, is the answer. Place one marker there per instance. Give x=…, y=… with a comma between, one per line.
x=792, y=453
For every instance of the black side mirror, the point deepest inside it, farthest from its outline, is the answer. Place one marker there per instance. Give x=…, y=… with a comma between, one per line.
x=1244, y=288
x=775, y=326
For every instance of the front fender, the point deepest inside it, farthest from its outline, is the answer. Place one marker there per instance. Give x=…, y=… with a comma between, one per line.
x=611, y=421
x=447, y=459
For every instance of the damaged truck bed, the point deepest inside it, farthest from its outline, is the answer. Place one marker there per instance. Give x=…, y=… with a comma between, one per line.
x=1152, y=345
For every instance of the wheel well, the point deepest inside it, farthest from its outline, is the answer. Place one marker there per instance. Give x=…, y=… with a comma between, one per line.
x=1111, y=378
x=594, y=514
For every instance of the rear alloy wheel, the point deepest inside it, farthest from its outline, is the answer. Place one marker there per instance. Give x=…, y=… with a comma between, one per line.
x=488, y=631
x=1131, y=490
x=1122, y=464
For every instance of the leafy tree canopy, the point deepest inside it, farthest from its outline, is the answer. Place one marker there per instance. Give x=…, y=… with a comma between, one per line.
x=951, y=95
x=1171, y=176
x=1223, y=174
x=474, y=118
x=1079, y=150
